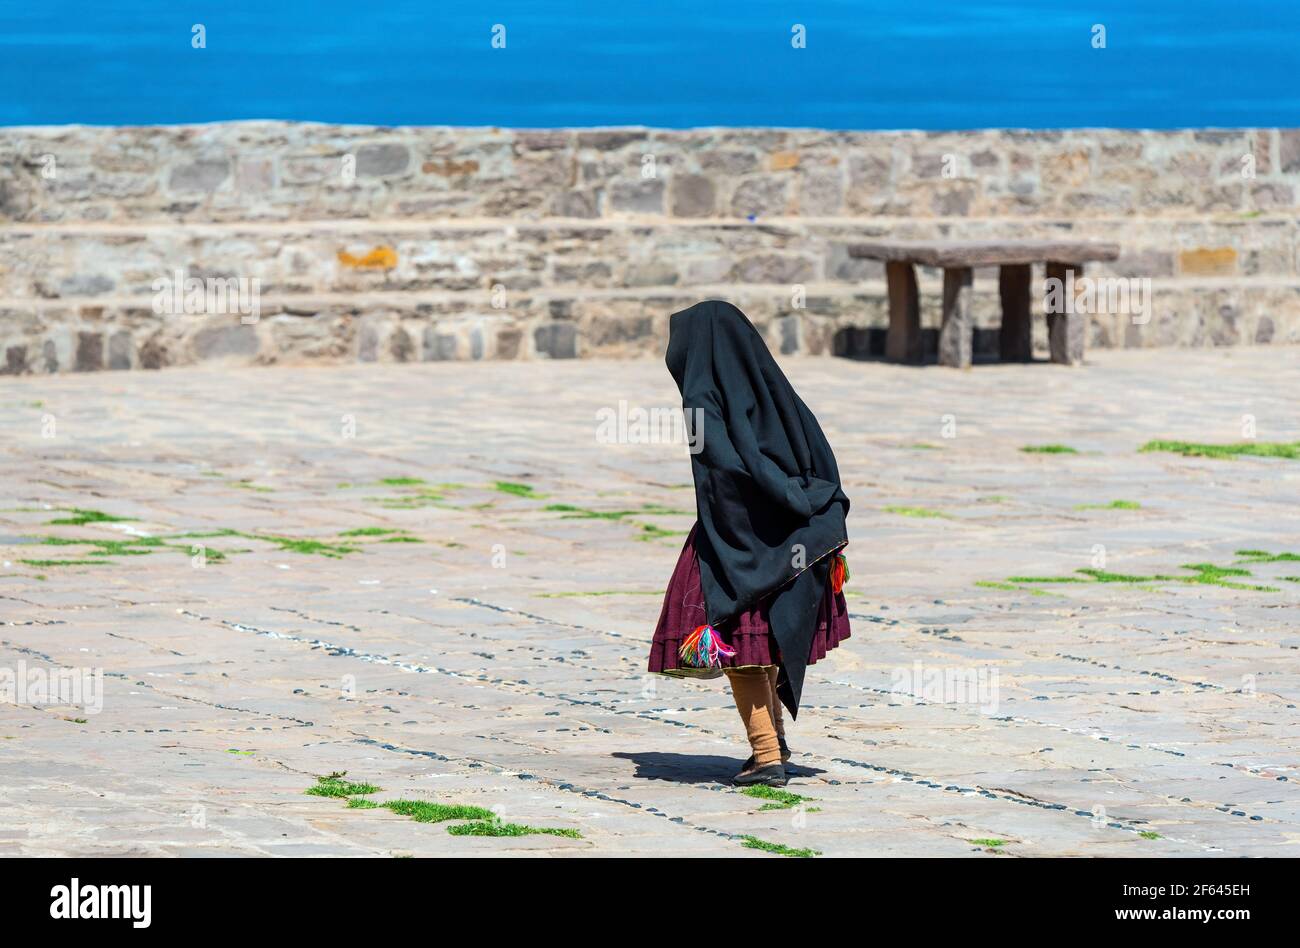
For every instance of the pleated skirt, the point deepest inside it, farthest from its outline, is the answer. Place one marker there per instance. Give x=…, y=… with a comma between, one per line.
x=750, y=635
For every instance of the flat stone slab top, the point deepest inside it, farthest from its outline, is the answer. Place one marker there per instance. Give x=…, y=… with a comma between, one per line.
x=983, y=253
x=440, y=580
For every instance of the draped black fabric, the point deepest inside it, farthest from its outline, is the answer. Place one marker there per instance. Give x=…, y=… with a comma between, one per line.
x=767, y=489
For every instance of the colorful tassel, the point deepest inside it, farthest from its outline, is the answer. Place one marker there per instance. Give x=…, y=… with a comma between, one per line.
x=839, y=573
x=702, y=647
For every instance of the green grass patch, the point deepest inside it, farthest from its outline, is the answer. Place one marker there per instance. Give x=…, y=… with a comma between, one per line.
x=1012, y=587
x=423, y=811
x=402, y=481
x=368, y=532
x=337, y=787
x=777, y=798
x=304, y=546
x=1262, y=556
x=651, y=532
x=81, y=516
x=1262, y=449
x=989, y=843
x=777, y=849
x=1147, y=834
x=495, y=828
x=361, y=803
x=1113, y=505
x=924, y=512
x=131, y=546
x=421, y=498
x=402, y=539
x=1206, y=574
x=1048, y=449
x=516, y=489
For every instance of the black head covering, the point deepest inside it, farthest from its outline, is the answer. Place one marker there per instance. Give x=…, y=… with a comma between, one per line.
x=767, y=489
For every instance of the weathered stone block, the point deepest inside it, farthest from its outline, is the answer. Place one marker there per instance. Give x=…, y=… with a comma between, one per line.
x=89, y=284
x=642, y=196
x=508, y=342
x=382, y=159
x=556, y=340
x=789, y=330
x=220, y=342
x=90, y=352
x=609, y=139
x=15, y=360
x=1289, y=156
x=759, y=196
x=203, y=175
x=120, y=349
x=440, y=346
x=693, y=195
x=775, y=268
x=401, y=347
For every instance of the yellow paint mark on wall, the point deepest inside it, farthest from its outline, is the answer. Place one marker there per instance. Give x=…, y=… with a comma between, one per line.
x=448, y=168
x=784, y=160
x=381, y=258
x=1203, y=261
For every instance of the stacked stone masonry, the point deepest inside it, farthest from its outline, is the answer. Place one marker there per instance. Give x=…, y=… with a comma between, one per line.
x=407, y=244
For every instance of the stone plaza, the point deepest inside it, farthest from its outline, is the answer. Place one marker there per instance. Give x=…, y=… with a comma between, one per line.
x=441, y=579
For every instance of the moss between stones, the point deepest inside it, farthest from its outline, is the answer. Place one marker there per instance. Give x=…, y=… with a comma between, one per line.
x=778, y=849
x=1048, y=449
x=917, y=512
x=483, y=821
x=335, y=786
x=494, y=828
x=1263, y=556
x=1203, y=573
x=1113, y=505
x=81, y=516
x=1263, y=449
x=518, y=490
x=777, y=798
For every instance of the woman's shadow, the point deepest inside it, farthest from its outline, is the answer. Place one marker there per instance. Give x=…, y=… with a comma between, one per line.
x=696, y=768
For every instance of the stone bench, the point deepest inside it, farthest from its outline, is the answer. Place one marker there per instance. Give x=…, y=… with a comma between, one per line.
x=958, y=258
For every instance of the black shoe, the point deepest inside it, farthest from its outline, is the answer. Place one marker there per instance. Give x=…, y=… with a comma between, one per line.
x=785, y=755
x=773, y=775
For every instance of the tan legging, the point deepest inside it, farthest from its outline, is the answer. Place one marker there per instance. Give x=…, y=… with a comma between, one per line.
x=754, y=691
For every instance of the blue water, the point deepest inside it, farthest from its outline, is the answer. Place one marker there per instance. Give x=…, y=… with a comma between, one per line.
x=912, y=64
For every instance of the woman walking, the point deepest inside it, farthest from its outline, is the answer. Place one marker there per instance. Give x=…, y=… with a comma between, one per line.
x=756, y=594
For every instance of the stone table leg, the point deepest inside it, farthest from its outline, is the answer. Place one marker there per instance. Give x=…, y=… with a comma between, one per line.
x=1065, y=327
x=1016, y=338
x=957, y=333
x=903, y=341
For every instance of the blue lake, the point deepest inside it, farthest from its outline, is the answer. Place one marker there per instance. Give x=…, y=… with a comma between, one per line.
x=927, y=64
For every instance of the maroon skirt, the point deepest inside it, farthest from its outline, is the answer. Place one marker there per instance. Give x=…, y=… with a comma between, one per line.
x=750, y=635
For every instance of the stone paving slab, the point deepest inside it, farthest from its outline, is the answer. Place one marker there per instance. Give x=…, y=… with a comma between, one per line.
x=495, y=656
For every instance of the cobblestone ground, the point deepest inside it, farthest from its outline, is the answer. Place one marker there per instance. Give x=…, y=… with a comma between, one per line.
x=470, y=626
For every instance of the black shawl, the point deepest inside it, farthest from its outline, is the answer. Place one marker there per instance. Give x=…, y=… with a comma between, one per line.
x=767, y=489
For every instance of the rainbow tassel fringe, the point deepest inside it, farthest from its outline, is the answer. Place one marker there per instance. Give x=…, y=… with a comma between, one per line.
x=839, y=572
x=702, y=647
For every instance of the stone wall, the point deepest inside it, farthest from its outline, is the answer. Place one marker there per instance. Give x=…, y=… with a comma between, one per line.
x=403, y=244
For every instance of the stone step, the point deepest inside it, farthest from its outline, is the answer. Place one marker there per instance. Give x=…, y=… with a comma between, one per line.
x=57, y=335
x=116, y=262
